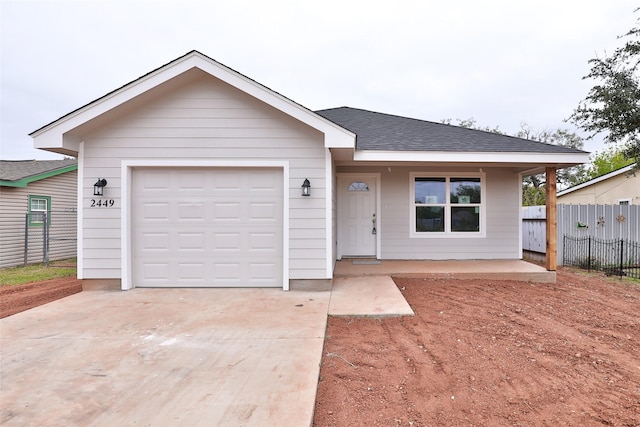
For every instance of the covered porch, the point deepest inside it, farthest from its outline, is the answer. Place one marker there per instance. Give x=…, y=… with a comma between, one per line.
x=518, y=270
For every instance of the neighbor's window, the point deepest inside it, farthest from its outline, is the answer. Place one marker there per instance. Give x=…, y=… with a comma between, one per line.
x=38, y=206
x=446, y=205
x=624, y=201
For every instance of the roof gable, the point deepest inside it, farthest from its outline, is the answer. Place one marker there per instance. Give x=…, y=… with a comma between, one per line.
x=56, y=135
x=19, y=173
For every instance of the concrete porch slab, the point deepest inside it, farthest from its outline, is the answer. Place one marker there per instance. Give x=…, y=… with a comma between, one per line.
x=370, y=296
x=472, y=269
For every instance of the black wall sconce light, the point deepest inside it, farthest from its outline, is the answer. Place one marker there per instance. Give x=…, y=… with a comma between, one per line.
x=98, y=187
x=306, y=188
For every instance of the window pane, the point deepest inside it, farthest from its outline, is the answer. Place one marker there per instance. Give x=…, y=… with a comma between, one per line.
x=429, y=218
x=430, y=190
x=465, y=219
x=358, y=186
x=465, y=190
x=37, y=217
x=38, y=205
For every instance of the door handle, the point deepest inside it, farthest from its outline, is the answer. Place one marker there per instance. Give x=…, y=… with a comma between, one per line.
x=373, y=221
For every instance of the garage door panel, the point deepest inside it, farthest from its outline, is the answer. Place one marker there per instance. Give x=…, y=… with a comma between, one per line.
x=190, y=182
x=263, y=212
x=207, y=227
x=156, y=271
x=191, y=242
x=222, y=212
x=224, y=242
x=262, y=271
x=229, y=180
x=155, y=242
x=264, y=181
x=154, y=181
x=156, y=211
x=263, y=242
x=230, y=272
x=191, y=271
x=191, y=211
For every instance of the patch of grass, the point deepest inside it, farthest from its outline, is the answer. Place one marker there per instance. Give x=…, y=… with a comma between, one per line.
x=37, y=272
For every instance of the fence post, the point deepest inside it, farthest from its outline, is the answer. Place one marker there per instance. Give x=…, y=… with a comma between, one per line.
x=589, y=254
x=45, y=239
x=621, y=255
x=26, y=238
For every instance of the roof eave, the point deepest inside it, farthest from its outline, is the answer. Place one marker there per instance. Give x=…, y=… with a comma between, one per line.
x=23, y=182
x=546, y=159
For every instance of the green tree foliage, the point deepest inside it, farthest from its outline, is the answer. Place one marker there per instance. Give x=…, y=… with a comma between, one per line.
x=566, y=177
x=533, y=187
x=533, y=196
x=613, y=104
x=472, y=123
x=605, y=161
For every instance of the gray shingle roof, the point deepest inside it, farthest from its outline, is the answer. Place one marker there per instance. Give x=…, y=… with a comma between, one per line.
x=378, y=131
x=15, y=170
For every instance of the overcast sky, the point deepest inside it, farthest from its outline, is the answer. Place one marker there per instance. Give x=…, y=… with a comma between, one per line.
x=500, y=62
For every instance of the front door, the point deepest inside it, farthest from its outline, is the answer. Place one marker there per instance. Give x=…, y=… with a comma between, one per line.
x=358, y=222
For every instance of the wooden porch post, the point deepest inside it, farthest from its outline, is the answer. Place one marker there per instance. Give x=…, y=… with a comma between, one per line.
x=552, y=244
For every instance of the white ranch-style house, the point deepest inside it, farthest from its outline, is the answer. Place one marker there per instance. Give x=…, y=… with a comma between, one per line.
x=204, y=173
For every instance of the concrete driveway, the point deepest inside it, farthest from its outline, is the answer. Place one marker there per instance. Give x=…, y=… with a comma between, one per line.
x=164, y=357
x=177, y=357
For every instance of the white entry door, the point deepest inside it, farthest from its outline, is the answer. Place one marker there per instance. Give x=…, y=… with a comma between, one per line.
x=358, y=222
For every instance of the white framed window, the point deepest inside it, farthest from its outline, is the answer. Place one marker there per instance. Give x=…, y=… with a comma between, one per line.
x=624, y=201
x=38, y=206
x=447, y=205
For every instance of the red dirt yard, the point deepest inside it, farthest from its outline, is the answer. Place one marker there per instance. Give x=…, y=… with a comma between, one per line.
x=482, y=352
x=17, y=298
x=477, y=352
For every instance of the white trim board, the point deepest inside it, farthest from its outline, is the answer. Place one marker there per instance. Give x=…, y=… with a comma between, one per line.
x=379, y=219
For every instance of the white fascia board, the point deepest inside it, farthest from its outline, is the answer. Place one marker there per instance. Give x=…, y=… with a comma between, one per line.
x=52, y=135
x=468, y=157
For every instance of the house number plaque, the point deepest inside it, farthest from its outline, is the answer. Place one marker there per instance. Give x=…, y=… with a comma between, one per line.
x=107, y=203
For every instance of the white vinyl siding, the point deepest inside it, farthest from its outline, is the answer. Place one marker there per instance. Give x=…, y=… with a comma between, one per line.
x=501, y=204
x=201, y=118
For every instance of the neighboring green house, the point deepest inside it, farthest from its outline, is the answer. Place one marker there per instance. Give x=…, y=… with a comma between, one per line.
x=36, y=187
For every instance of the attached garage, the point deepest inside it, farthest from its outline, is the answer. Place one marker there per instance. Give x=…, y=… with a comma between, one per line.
x=207, y=227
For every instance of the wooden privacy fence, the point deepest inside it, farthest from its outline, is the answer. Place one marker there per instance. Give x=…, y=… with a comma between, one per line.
x=607, y=222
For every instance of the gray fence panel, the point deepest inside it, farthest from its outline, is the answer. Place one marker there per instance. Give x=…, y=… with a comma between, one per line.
x=600, y=221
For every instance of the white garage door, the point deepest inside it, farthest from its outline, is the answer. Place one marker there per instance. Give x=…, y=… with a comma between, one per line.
x=207, y=227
